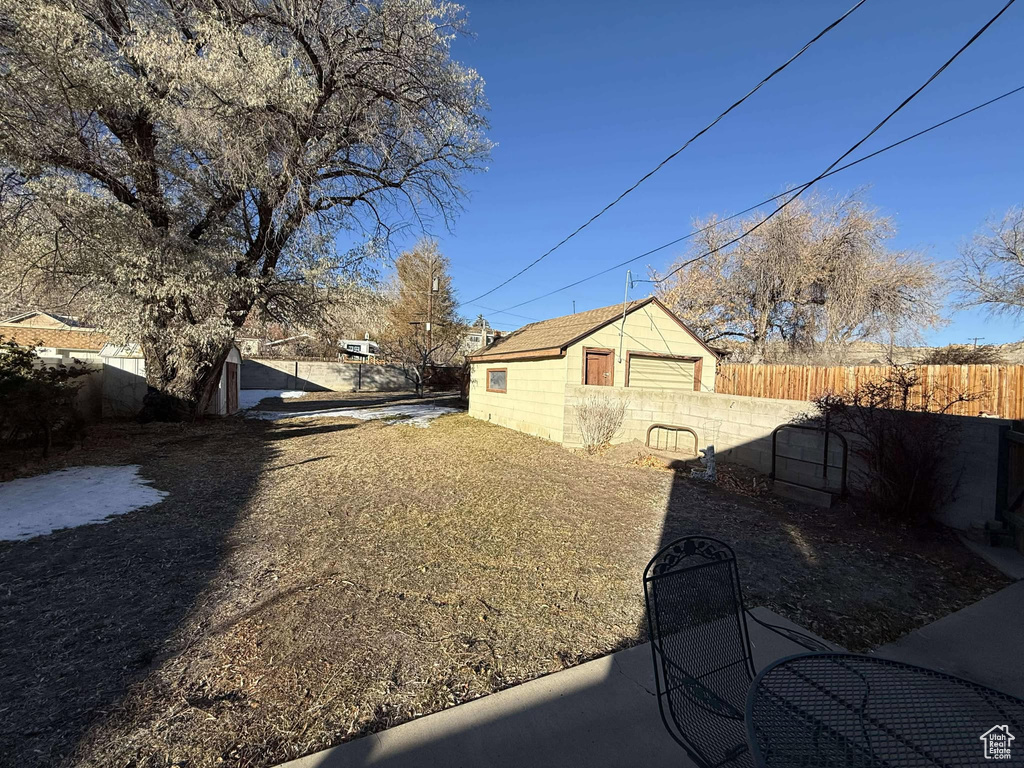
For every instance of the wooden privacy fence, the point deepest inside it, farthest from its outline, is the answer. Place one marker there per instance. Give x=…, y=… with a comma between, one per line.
x=998, y=389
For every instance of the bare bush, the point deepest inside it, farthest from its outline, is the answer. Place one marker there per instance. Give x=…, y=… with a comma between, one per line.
x=962, y=354
x=599, y=419
x=901, y=440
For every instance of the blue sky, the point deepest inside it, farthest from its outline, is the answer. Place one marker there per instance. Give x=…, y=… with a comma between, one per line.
x=587, y=96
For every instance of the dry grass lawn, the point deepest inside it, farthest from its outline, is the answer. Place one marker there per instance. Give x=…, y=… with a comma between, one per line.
x=309, y=581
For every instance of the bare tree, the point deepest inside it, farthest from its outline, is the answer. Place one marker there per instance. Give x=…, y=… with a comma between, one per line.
x=423, y=326
x=991, y=269
x=188, y=160
x=701, y=293
x=817, y=276
x=861, y=289
x=362, y=311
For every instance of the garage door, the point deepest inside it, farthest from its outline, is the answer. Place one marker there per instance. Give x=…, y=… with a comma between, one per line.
x=662, y=373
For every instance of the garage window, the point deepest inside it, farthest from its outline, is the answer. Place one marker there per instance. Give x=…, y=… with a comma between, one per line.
x=497, y=378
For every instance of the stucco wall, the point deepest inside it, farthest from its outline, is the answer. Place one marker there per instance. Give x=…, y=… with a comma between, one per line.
x=648, y=329
x=314, y=376
x=740, y=429
x=533, y=400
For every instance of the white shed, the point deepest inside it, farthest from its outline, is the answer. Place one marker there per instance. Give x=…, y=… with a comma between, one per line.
x=124, y=381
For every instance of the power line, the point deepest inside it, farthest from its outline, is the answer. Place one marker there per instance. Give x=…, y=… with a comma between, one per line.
x=672, y=156
x=843, y=156
x=782, y=194
x=492, y=309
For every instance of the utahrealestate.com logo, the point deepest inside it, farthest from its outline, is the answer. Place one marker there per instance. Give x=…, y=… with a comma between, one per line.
x=997, y=742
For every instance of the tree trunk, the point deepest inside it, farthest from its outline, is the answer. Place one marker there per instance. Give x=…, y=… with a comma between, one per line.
x=759, y=337
x=180, y=379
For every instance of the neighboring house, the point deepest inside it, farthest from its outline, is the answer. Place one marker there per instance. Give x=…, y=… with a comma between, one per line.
x=124, y=381
x=477, y=337
x=54, y=335
x=520, y=380
x=123, y=369
x=360, y=348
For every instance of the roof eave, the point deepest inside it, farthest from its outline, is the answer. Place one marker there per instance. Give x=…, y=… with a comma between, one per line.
x=526, y=354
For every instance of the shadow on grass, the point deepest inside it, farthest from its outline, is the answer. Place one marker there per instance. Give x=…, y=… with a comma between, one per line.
x=88, y=612
x=287, y=432
x=601, y=714
x=299, y=463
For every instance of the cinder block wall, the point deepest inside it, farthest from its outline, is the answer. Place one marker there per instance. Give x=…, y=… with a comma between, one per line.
x=532, y=401
x=316, y=376
x=740, y=428
x=977, y=461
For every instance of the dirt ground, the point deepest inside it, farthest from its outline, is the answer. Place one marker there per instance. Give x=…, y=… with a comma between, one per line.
x=309, y=581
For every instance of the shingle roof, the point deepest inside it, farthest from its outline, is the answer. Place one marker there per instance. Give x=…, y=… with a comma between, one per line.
x=556, y=333
x=54, y=337
x=66, y=320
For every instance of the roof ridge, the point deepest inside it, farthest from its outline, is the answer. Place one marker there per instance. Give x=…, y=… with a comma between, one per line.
x=556, y=333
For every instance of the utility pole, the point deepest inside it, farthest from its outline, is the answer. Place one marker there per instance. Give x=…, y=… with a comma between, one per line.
x=625, y=299
x=430, y=311
x=976, y=339
x=433, y=288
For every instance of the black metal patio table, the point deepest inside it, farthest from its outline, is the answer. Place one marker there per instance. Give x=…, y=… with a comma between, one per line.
x=820, y=710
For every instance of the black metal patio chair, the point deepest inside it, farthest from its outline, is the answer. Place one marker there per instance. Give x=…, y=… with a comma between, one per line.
x=703, y=664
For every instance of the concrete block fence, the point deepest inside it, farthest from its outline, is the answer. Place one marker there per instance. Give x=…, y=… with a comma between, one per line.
x=320, y=376
x=740, y=428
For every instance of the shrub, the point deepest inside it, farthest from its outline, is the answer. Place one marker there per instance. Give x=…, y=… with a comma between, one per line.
x=445, y=378
x=900, y=443
x=599, y=419
x=36, y=400
x=962, y=354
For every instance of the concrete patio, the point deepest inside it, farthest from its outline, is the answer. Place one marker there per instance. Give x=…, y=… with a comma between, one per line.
x=983, y=642
x=602, y=713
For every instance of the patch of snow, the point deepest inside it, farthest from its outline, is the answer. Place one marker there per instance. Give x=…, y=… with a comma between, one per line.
x=416, y=414
x=250, y=398
x=36, y=506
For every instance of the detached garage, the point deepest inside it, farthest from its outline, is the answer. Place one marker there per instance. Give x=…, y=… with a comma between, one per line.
x=520, y=380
